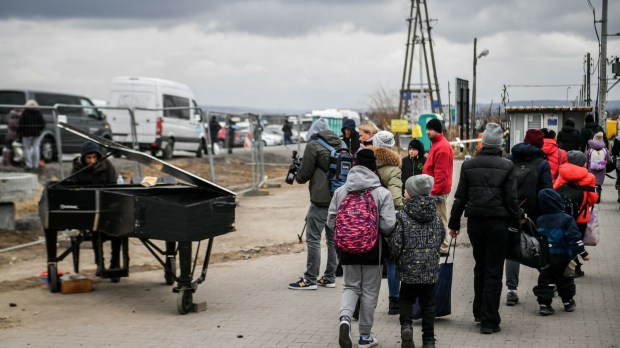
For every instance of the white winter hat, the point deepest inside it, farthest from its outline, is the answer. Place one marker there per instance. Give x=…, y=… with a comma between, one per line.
x=383, y=139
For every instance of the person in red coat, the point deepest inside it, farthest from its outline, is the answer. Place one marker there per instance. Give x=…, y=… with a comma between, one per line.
x=575, y=171
x=439, y=164
x=555, y=155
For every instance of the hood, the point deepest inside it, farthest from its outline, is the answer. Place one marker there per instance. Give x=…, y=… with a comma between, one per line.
x=421, y=208
x=550, y=201
x=526, y=151
x=550, y=146
x=90, y=147
x=572, y=173
x=596, y=144
x=348, y=123
x=386, y=157
x=568, y=129
x=416, y=144
x=361, y=178
x=317, y=127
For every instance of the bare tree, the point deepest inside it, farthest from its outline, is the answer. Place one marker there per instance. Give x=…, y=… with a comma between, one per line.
x=383, y=107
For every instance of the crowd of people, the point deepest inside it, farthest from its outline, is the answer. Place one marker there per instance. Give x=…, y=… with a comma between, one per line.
x=392, y=213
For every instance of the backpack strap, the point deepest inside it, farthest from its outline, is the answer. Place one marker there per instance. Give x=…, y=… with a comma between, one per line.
x=329, y=148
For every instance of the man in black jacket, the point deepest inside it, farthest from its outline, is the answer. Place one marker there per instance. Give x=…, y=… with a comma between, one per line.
x=588, y=132
x=569, y=137
x=214, y=129
x=350, y=136
x=487, y=193
x=97, y=174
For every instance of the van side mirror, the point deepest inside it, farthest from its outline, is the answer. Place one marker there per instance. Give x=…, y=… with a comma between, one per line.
x=198, y=117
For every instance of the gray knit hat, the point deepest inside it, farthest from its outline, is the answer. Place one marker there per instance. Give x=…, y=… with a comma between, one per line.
x=419, y=185
x=576, y=157
x=383, y=139
x=492, y=135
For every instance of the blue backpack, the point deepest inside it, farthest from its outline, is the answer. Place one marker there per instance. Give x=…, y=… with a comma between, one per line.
x=340, y=162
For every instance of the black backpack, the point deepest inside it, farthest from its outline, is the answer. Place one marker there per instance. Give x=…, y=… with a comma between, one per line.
x=526, y=175
x=573, y=196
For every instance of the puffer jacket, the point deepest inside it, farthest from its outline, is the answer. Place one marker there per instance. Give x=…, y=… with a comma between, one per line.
x=580, y=176
x=560, y=229
x=388, y=170
x=597, y=145
x=569, y=138
x=439, y=164
x=31, y=123
x=526, y=152
x=487, y=188
x=314, y=167
x=555, y=156
x=416, y=240
x=361, y=178
x=413, y=165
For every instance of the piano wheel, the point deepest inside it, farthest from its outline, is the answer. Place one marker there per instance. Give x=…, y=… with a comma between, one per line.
x=170, y=270
x=185, y=301
x=52, y=277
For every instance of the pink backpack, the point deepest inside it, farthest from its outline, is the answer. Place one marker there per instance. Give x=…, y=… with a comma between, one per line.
x=356, y=223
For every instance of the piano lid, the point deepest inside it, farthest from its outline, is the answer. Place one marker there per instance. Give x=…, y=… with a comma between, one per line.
x=148, y=160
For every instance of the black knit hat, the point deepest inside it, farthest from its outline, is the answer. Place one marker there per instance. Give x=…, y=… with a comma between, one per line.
x=435, y=125
x=367, y=159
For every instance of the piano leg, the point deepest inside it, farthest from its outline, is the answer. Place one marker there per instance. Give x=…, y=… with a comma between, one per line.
x=184, y=284
x=75, y=251
x=170, y=265
x=51, y=238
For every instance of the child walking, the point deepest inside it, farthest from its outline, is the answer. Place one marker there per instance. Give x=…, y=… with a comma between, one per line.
x=415, y=245
x=564, y=242
x=360, y=211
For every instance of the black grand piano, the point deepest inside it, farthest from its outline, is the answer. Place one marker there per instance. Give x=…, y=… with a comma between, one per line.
x=176, y=213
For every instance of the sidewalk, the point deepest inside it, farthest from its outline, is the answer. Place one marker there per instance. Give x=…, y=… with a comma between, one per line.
x=249, y=304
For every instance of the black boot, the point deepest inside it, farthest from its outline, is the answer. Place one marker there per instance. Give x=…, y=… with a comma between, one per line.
x=393, y=307
x=406, y=336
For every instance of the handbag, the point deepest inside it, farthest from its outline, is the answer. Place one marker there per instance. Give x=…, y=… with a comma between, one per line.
x=528, y=247
x=443, y=288
x=592, y=235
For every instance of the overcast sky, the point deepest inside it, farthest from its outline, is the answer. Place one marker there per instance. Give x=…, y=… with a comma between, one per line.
x=298, y=54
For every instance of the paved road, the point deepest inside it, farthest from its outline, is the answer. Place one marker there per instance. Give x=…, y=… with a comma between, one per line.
x=249, y=304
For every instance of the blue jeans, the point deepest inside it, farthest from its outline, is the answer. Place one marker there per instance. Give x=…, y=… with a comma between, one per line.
x=315, y=223
x=393, y=283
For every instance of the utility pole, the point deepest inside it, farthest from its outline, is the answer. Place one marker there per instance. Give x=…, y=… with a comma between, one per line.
x=419, y=20
x=588, y=73
x=602, y=92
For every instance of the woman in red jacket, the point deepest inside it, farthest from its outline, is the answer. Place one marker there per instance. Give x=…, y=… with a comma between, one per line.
x=575, y=171
x=555, y=155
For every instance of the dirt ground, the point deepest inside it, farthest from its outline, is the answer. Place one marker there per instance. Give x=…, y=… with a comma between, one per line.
x=233, y=172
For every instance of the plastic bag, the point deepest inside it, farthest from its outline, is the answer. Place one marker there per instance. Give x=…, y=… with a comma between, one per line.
x=592, y=235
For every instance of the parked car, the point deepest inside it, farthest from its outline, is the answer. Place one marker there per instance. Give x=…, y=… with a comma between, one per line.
x=87, y=119
x=271, y=137
x=278, y=130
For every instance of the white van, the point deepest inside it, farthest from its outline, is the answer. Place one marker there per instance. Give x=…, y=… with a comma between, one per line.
x=160, y=128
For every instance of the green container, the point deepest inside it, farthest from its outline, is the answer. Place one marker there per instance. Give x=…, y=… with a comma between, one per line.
x=334, y=123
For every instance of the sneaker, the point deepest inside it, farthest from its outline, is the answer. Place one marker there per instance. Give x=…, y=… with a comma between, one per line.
x=512, y=298
x=406, y=336
x=367, y=341
x=393, y=307
x=428, y=342
x=302, y=284
x=489, y=330
x=546, y=310
x=569, y=306
x=326, y=283
x=344, y=336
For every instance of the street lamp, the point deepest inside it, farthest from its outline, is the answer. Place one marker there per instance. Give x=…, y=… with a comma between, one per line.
x=477, y=56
